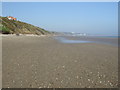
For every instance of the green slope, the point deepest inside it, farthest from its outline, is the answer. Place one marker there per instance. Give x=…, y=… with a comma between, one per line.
x=17, y=27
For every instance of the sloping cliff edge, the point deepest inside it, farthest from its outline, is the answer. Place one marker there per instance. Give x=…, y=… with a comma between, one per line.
x=17, y=27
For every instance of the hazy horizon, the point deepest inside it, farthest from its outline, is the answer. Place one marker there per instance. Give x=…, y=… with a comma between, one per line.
x=95, y=18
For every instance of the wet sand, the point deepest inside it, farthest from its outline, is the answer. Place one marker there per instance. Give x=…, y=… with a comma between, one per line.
x=43, y=62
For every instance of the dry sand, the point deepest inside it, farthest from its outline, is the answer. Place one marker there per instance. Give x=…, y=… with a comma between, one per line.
x=0, y=62
x=43, y=62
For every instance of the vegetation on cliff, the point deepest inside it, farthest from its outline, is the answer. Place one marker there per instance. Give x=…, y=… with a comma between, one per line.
x=17, y=27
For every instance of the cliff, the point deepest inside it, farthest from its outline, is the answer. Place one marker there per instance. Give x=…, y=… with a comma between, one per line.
x=17, y=27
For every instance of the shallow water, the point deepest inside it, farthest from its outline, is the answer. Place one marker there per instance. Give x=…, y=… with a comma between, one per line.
x=63, y=39
x=75, y=41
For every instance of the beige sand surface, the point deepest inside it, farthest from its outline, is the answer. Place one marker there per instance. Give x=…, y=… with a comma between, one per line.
x=0, y=62
x=43, y=62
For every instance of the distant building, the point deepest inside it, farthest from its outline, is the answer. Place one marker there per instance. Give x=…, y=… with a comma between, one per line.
x=11, y=18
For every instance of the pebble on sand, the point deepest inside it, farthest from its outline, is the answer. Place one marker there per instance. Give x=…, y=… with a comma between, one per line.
x=56, y=78
x=39, y=87
x=63, y=66
x=13, y=81
x=100, y=81
x=61, y=81
x=88, y=79
x=77, y=77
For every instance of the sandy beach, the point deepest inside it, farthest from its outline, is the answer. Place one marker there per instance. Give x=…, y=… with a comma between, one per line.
x=44, y=62
x=0, y=62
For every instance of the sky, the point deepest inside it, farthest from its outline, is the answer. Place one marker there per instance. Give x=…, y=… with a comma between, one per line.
x=60, y=0
x=95, y=18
